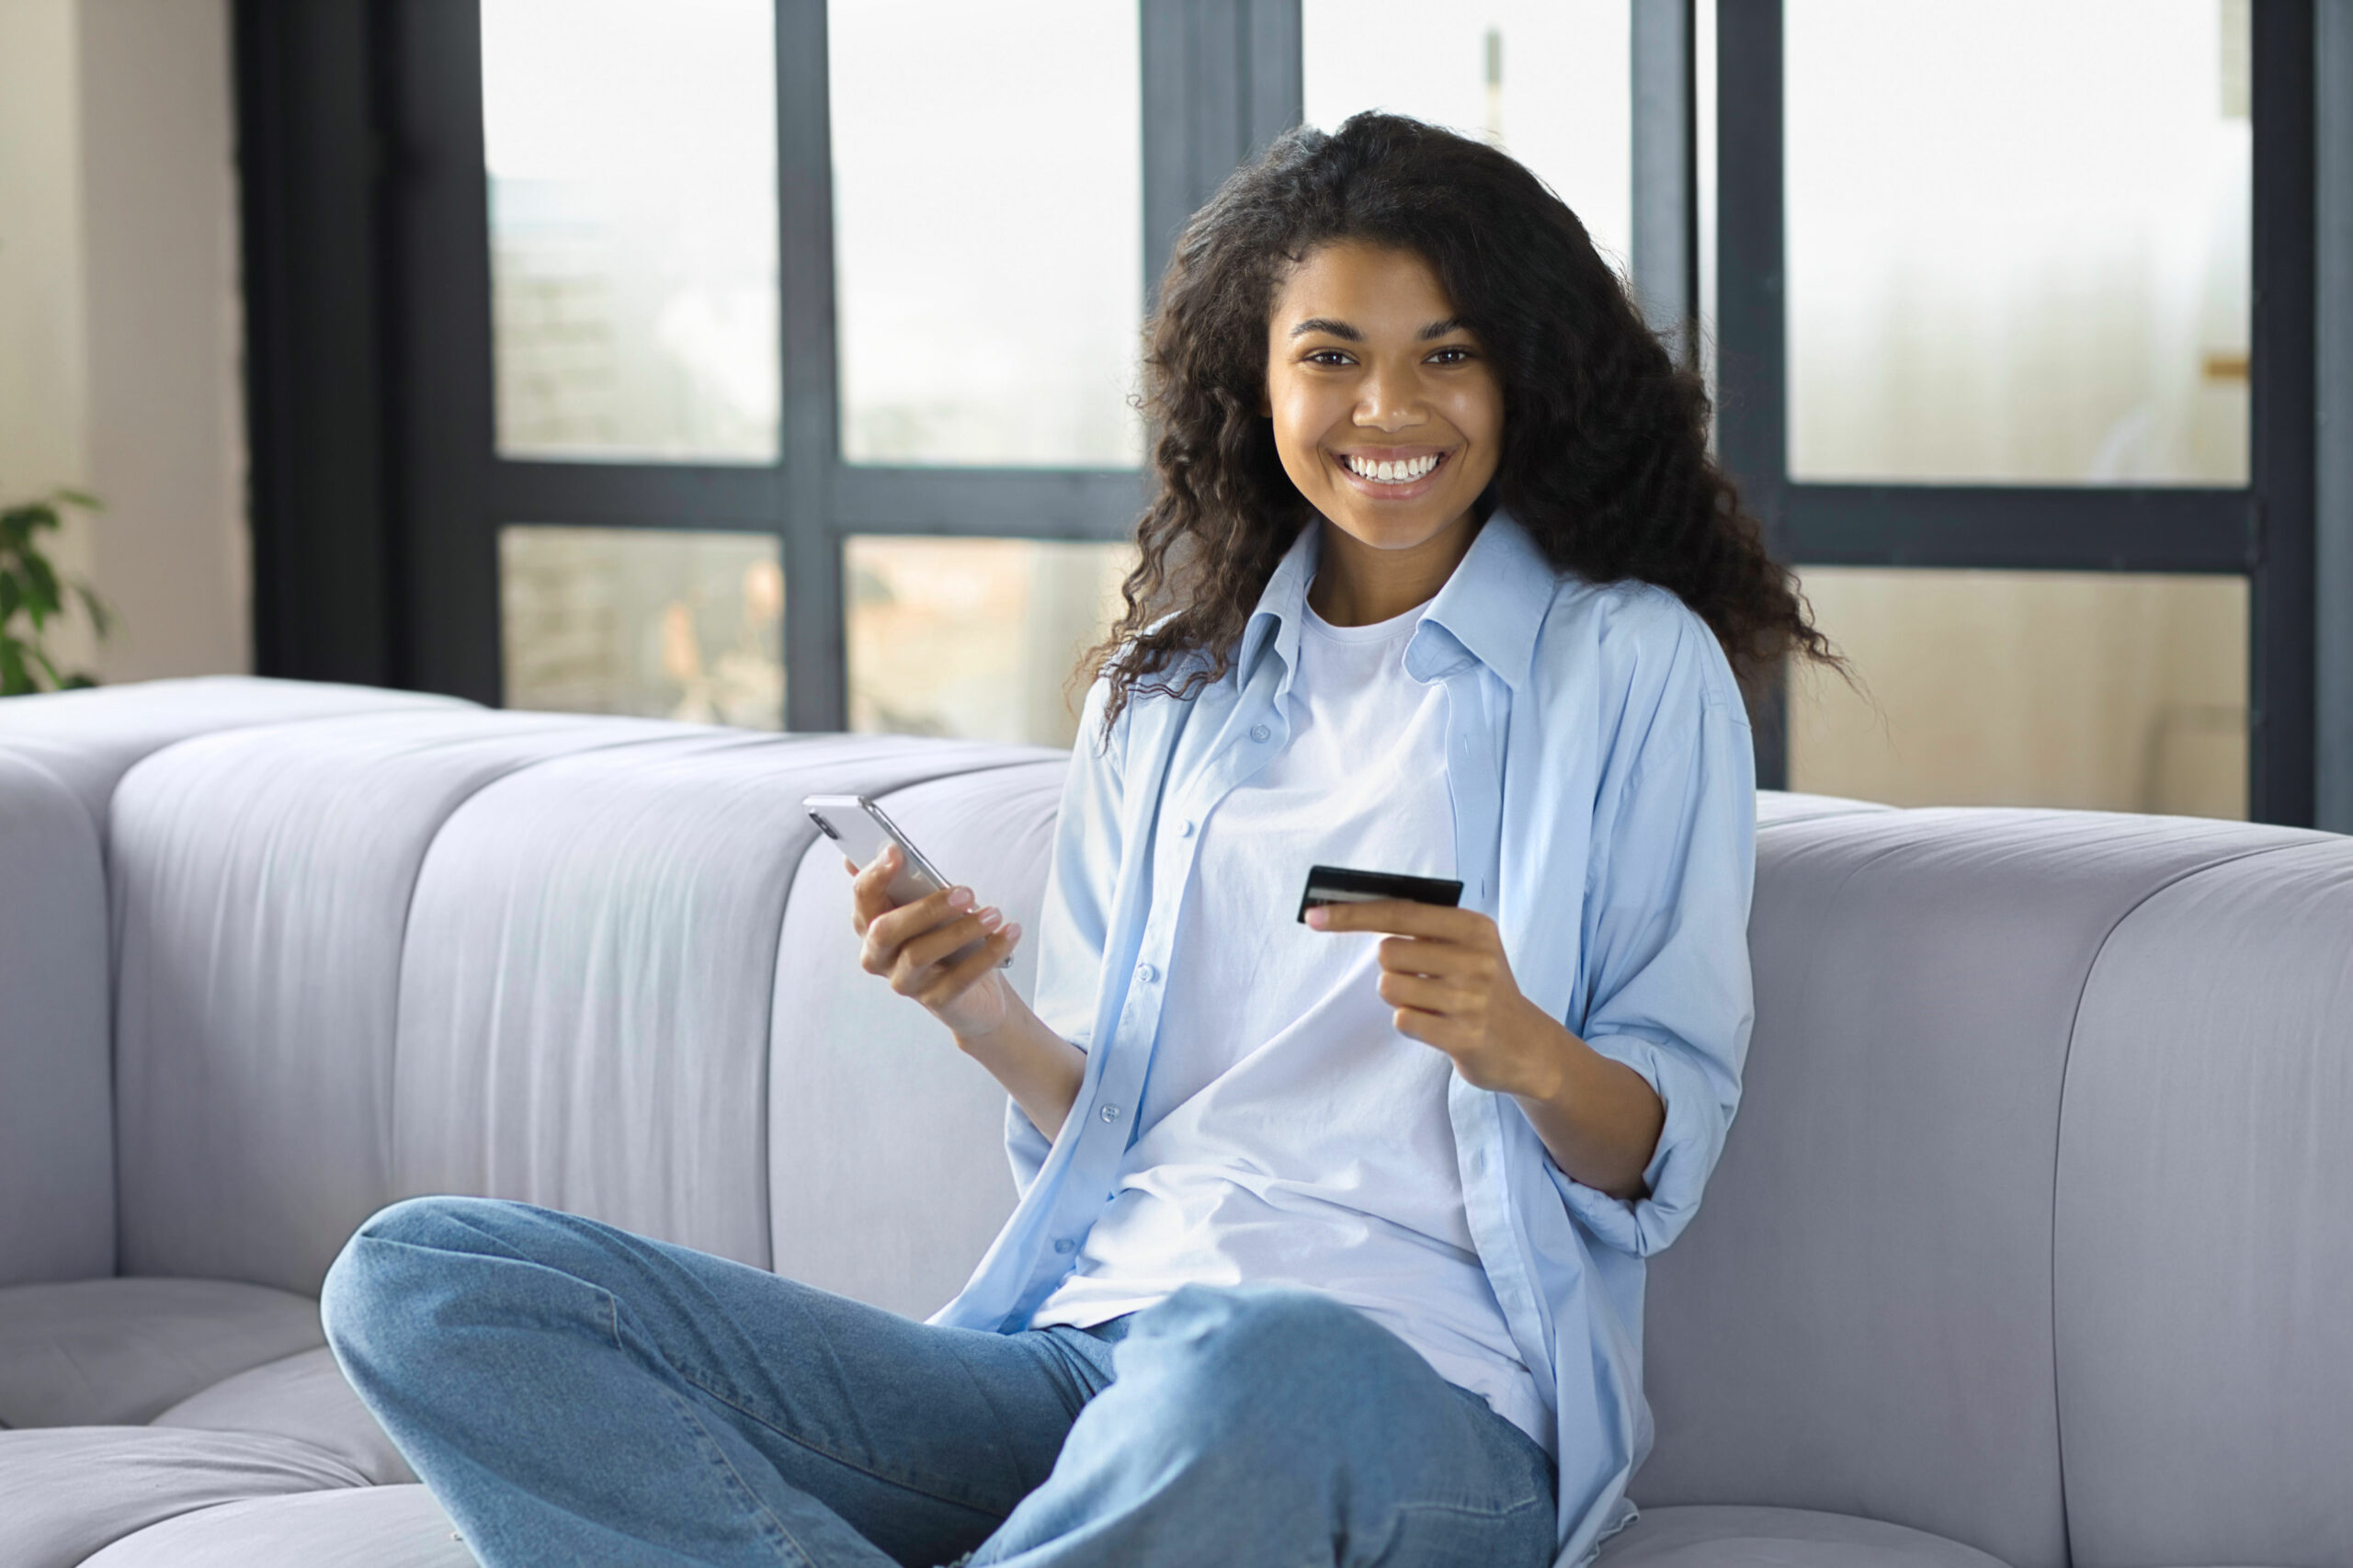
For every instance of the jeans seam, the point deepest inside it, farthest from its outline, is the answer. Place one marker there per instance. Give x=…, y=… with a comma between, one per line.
x=781, y=1539
x=821, y=1452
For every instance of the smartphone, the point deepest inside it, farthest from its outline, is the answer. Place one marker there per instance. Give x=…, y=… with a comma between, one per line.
x=862, y=829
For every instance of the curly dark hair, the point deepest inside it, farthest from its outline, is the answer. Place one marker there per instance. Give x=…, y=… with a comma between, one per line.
x=1605, y=448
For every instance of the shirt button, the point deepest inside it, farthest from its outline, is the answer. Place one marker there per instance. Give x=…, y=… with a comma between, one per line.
x=1110, y=1113
x=1065, y=1245
x=1146, y=973
x=1184, y=828
x=1259, y=732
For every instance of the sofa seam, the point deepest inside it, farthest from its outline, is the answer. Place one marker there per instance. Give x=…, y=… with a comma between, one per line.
x=2058, y=1145
x=408, y=908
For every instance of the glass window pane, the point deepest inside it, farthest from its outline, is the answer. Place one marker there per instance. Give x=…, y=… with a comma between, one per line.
x=630, y=147
x=975, y=637
x=2098, y=690
x=2019, y=239
x=988, y=223
x=633, y=620
x=1549, y=81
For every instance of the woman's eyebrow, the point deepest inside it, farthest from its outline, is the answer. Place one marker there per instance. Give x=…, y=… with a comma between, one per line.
x=1338, y=329
x=1347, y=333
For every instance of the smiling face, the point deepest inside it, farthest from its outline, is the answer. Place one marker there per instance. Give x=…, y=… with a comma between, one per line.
x=1387, y=415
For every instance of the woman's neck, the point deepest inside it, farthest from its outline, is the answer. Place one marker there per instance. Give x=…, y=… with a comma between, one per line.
x=1358, y=584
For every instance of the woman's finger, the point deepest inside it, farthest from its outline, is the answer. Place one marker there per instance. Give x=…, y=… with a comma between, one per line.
x=954, y=981
x=1420, y=992
x=1402, y=916
x=895, y=929
x=920, y=953
x=1423, y=955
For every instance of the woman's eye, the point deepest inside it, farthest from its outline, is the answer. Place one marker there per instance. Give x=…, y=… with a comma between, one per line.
x=1328, y=356
x=1452, y=357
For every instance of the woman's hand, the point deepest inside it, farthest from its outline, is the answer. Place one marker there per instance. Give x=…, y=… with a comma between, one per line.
x=911, y=944
x=1445, y=972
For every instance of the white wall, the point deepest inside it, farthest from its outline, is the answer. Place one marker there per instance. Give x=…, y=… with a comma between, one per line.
x=120, y=326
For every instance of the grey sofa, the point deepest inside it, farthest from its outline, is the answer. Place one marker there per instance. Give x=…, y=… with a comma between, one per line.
x=2032, y=1244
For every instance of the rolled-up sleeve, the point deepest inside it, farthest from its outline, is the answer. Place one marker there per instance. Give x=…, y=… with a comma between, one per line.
x=1075, y=920
x=1665, y=938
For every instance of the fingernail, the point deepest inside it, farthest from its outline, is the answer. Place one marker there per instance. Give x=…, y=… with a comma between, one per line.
x=1319, y=916
x=1013, y=933
x=991, y=919
x=960, y=898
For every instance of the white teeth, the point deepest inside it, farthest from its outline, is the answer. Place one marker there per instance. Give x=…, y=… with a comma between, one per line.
x=1403, y=473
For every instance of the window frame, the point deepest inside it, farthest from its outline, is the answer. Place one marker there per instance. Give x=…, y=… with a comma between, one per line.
x=1219, y=78
x=2263, y=531
x=377, y=495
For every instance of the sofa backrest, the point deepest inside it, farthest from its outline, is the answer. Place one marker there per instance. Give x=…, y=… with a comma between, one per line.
x=2007, y=1202
x=2031, y=1229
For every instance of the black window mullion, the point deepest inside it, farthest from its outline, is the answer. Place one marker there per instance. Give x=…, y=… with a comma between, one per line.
x=1752, y=324
x=442, y=375
x=816, y=671
x=2020, y=528
x=1035, y=503
x=2281, y=448
x=642, y=495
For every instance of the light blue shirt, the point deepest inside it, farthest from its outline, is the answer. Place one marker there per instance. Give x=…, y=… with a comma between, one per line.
x=1604, y=802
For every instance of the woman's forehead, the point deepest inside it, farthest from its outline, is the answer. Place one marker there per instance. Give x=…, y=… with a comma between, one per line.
x=1371, y=287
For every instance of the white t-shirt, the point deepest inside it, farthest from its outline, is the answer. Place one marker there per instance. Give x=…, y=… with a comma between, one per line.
x=1289, y=1134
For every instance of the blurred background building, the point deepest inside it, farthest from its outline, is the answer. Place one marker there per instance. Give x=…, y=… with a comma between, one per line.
x=768, y=361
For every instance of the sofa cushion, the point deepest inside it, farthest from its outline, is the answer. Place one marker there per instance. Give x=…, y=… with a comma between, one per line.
x=56, y=1095
x=2205, y=1243
x=1778, y=1538
x=65, y=1494
x=371, y=1527
x=588, y=973
x=97, y=1352
x=91, y=738
x=1861, y=1311
x=1775, y=807
x=305, y=1396
x=902, y=1224
x=261, y=883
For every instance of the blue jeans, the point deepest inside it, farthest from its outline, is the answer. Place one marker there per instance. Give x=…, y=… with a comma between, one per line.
x=576, y=1394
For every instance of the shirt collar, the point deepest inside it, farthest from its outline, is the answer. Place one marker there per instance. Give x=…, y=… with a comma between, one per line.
x=1493, y=606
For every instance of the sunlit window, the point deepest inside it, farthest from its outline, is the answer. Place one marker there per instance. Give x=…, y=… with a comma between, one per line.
x=2107, y=692
x=1549, y=81
x=660, y=624
x=631, y=148
x=975, y=637
x=2019, y=239
x=988, y=202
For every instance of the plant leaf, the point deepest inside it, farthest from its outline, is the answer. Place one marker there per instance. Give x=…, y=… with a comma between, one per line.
x=81, y=498
x=44, y=661
x=12, y=594
x=14, y=681
x=101, y=617
x=41, y=585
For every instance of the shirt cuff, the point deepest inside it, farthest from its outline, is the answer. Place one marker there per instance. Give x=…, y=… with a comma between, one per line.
x=1688, y=1145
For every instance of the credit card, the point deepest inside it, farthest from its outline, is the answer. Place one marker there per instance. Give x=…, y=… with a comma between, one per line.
x=1337, y=884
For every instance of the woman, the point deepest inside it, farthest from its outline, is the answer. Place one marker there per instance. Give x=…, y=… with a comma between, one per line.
x=1329, y=1247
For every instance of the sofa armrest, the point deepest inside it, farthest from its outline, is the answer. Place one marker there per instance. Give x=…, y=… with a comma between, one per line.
x=56, y=1093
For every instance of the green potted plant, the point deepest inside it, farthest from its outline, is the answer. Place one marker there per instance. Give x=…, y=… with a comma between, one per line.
x=32, y=594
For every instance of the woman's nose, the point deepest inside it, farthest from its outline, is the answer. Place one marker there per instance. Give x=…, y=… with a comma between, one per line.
x=1392, y=401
